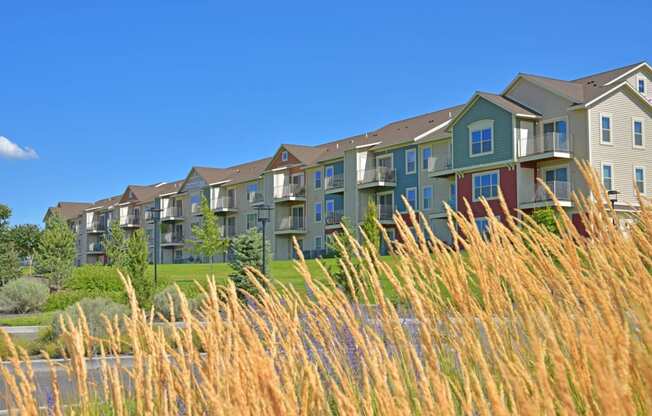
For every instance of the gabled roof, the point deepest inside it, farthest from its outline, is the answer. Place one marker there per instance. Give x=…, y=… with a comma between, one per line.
x=143, y=194
x=105, y=203
x=210, y=175
x=246, y=172
x=67, y=210
x=581, y=90
x=506, y=104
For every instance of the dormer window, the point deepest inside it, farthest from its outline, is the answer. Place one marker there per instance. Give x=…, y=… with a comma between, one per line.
x=284, y=156
x=481, y=138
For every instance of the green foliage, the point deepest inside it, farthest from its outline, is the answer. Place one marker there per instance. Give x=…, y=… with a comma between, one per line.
x=9, y=263
x=88, y=281
x=23, y=296
x=162, y=305
x=115, y=243
x=93, y=310
x=56, y=251
x=247, y=251
x=370, y=225
x=208, y=240
x=26, y=238
x=548, y=218
x=136, y=267
x=60, y=300
x=5, y=214
x=346, y=247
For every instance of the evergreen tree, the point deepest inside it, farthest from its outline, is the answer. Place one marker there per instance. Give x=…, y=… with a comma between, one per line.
x=370, y=225
x=208, y=240
x=26, y=238
x=136, y=262
x=247, y=251
x=116, y=245
x=55, y=255
x=9, y=261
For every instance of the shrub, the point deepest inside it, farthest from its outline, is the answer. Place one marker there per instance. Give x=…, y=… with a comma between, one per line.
x=93, y=310
x=162, y=302
x=23, y=295
x=97, y=281
x=62, y=299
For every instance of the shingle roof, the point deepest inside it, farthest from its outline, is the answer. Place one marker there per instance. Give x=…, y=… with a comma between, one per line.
x=246, y=172
x=105, y=203
x=148, y=193
x=508, y=105
x=67, y=210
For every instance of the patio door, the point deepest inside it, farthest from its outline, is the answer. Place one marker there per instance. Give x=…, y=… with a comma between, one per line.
x=557, y=181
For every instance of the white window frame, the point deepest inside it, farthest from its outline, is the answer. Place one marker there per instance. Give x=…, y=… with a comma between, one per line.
x=423, y=199
x=479, y=126
x=613, y=182
x=634, y=121
x=321, y=242
x=255, y=222
x=425, y=162
x=644, y=192
x=330, y=168
x=416, y=197
x=284, y=156
x=321, y=212
x=640, y=78
x=611, y=129
x=490, y=172
x=379, y=194
x=314, y=179
x=389, y=156
x=416, y=161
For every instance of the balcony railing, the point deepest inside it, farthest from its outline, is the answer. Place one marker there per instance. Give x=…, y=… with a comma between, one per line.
x=96, y=226
x=130, y=220
x=255, y=197
x=224, y=203
x=547, y=143
x=378, y=174
x=292, y=190
x=171, y=212
x=438, y=164
x=291, y=223
x=385, y=212
x=561, y=190
x=334, y=182
x=171, y=238
x=96, y=248
x=334, y=218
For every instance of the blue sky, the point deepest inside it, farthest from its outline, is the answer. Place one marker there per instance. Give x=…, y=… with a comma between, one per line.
x=109, y=94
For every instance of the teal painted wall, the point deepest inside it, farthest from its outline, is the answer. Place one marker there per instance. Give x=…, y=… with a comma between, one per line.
x=503, y=135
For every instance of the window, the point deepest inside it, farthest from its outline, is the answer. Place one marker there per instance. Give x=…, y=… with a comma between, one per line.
x=330, y=206
x=481, y=137
x=318, y=243
x=330, y=171
x=483, y=225
x=284, y=156
x=318, y=179
x=555, y=136
x=252, y=189
x=607, y=176
x=605, y=129
x=637, y=131
x=485, y=185
x=641, y=85
x=410, y=161
x=639, y=178
x=252, y=220
x=452, y=201
x=427, y=198
x=411, y=196
x=425, y=159
x=318, y=212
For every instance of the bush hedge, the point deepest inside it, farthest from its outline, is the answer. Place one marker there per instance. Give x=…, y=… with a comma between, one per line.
x=23, y=295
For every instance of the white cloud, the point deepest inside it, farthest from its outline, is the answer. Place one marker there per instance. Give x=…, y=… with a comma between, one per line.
x=10, y=150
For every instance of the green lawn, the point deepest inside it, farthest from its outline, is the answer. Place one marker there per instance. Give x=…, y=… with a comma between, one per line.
x=282, y=271
x=30, y=319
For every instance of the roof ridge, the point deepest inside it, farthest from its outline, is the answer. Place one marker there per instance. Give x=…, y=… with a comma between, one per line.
x=607, y=71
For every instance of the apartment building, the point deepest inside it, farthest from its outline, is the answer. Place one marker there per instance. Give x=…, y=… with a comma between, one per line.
x=536, y=128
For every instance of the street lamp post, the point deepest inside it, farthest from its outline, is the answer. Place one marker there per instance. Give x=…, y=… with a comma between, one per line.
x=155, y=215
x=613, y=198
x=263, y=213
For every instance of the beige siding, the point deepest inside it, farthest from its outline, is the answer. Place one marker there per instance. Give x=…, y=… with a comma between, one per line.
x=623, y=107
x=313, y=196
x=647, y=76
x=549, y=105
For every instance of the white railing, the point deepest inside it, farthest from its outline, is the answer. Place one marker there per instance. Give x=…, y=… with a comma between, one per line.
x=561, y=190
x=225, y=202
x=334, y=182
x=291, y=190
x=377, y=174
x=172, y=212
x=436, y=164
x=334, y=217
x=385, y=212
x=130, y=219
x=291, y=223
x=548, y=142
x=96, y=248
x=171, y=238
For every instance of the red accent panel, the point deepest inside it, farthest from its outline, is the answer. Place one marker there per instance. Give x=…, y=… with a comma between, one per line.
x=579, y=225
x=507, y=183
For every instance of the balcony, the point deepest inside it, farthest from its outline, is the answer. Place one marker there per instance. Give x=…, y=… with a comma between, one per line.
x=442, y=213
x=334, y=219
x=291, y=225
x=547, y=146
x=224, y=204
x=386, y=213
x=172, y=214
x=376, y=177
x=171, y=239
x=439, y=167
x=290, y=192
x=334, y=183
x=256, y=198
x=95, y=248
x=130, y=221
x=542, y=198
x=95, y=227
